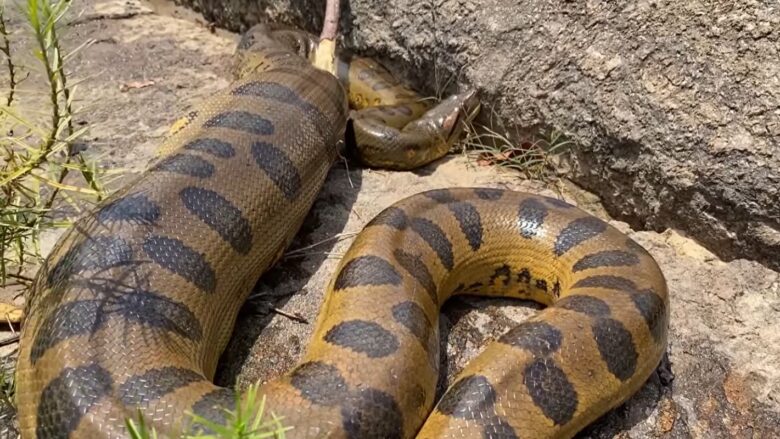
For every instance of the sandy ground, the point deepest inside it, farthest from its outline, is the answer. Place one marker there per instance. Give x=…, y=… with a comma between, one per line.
x=721, y=378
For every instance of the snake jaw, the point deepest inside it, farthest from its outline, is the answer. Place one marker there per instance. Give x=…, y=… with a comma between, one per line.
x=458, y=110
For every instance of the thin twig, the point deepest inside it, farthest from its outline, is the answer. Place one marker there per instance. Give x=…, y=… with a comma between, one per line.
x=6, y=49
x=10, y=340
x=296, y=317
x=330, y=25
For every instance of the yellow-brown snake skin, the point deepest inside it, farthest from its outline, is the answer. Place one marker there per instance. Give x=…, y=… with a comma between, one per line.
x=138, y=300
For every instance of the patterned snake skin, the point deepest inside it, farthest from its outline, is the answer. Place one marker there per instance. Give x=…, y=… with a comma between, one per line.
x=138, y=300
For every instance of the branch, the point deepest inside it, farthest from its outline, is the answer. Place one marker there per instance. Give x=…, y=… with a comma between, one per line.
x=325, y=55
x=330, y=26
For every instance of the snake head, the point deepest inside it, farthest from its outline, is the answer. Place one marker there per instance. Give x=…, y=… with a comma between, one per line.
x=454, y=113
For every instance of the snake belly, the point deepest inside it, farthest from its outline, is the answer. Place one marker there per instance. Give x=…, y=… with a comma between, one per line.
x=137, y=301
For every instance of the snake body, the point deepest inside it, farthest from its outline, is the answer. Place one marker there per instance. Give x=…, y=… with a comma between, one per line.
x=137, y=301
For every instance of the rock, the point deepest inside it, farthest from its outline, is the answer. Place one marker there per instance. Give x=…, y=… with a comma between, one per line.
x=675, y=106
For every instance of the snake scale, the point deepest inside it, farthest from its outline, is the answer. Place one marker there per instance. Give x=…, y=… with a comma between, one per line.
x=138, y=299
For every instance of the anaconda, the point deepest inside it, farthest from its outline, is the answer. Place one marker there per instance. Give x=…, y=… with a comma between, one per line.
x=137, y=301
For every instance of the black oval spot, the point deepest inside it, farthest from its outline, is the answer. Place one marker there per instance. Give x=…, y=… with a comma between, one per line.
x=530, y=217
x=577, y=232
x=242, y=121
x=366, y=270
x=470, y=223
x=489, y=193
x=362, y=336
x=588, y=305
x=134, y=209
x=180, y=259
x=497, y=428
x=653, y=310
x=539, y=338
x=392, y=216
x=87, y=317
x=211, y=407
x=471, y=397
x=140, y=390
x=606, y=281
x=94, y=253
x=278, y=167
x=68, y=397
x=616, y=346
x=415, y=266
x=551, y=390
x=186, y=164
x=503, y=272
x=436, y=239
x=607, y=258
x=320, y=383
x=372, y=413
x=215, y=147
x=412, y=316
x=220, y=215
x=440, y=195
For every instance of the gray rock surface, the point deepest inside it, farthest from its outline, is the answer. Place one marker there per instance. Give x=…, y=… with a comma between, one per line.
x=675, y=106
x=722, y=379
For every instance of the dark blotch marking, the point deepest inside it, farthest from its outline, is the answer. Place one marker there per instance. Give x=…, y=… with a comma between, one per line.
x=607, y=258
x=320, y=383
x=470, y=222
x=607, y=281
x=539, y=338
x=140, y=390
x=557, y=203
x=415, y=266
x=541, y=284
x=556, y=289
x=524, y=276
x=489, y=193
x=498, y=428
x=215, y=147
x=504, y=272
x=87, y=317
x=440, y=195
x=279, y=168
x=436, y=239
x=362, y=336
x=242, y=121
x=652, y=309
x=588, y=305
x=393, y=217
x=211, y=406
x=472, y=397
x=410, y=315
x=284, y=94
x=616, y=347
x=135, y=209
x=95, y=253
x=372, y=413
x=530, y=217
x=180, y=259
x=551, y=390
x=68, y=397
x=577, y=232
x=220, y=215
x=367, y=270
x=186, y=164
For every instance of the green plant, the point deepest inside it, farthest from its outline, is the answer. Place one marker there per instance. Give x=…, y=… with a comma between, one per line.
x=36, y=157
x=533, y=153
x=247, y=421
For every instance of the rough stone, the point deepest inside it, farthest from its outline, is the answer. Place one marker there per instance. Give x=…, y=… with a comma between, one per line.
x=674, y=106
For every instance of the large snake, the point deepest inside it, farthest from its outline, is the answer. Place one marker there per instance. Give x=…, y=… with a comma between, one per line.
x=137, y=301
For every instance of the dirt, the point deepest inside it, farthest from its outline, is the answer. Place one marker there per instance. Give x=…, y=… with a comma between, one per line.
x=721, y=377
